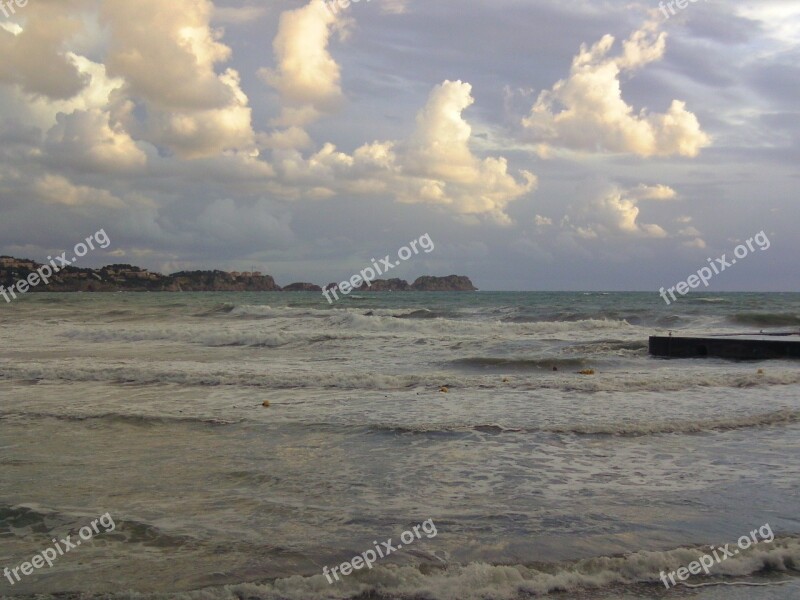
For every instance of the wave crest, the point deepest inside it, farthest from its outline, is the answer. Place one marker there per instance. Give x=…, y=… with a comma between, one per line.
x=635, y=574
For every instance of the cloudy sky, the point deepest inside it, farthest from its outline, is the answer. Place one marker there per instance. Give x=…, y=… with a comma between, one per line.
x=543, y=144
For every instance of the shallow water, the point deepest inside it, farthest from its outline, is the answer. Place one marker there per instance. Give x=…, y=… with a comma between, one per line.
x=149, y=407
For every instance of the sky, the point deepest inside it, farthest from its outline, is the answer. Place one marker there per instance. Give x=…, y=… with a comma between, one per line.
x=541, y=144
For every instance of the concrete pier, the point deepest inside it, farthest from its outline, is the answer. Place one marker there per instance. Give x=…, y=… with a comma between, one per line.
x=736, y=347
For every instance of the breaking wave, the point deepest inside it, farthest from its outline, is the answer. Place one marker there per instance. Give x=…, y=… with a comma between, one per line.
x=200, y=374
x=150, y=375
x=767, y=319
x=636, y=574
x=212, y=339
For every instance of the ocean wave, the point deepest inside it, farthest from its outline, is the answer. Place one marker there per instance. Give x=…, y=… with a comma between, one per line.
x=259, y=311
x=150, y=375
x=440, y=325
x=213, y=339
x=673, y=321
x=767, y=319
x=45, y=299
x=203, y=375
x=610, y=346
x=118, y=313
x=711, y=300
x=426, y=320
x=128, y=419
x=617, y=429
x=631, y=317
x=220, y=309
x=580, y=325
x=666, y=382
x=779, y=418
x=629, y=574
x=425, y=313
x=28, y=520
x=562, y=316
x=522, y=364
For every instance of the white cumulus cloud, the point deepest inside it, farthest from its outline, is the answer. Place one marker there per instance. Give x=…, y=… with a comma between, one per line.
x=586, y=112
x=615, y=213
x=306, y=75
x=167, y=54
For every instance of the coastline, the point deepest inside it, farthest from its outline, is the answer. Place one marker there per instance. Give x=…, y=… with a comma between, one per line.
x=130, y=278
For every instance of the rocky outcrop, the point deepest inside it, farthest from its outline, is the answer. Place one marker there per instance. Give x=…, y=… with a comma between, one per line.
x=302, y=287
x=451, y=283
x=387, y=285
x=220, y=281
x=129, y=278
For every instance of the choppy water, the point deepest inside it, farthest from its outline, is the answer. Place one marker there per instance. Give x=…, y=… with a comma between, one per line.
x=539, y=481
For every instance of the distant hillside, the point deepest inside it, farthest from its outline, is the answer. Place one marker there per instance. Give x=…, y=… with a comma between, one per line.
x=129, y=278
x=451, y=283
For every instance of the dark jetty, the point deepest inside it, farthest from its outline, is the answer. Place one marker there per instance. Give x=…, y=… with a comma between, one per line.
x=762, y=346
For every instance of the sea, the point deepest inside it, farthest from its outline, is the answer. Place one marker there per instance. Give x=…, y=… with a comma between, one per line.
x=554, y=457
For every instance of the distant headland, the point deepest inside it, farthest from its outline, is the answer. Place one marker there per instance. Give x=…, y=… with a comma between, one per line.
x=129, y=278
